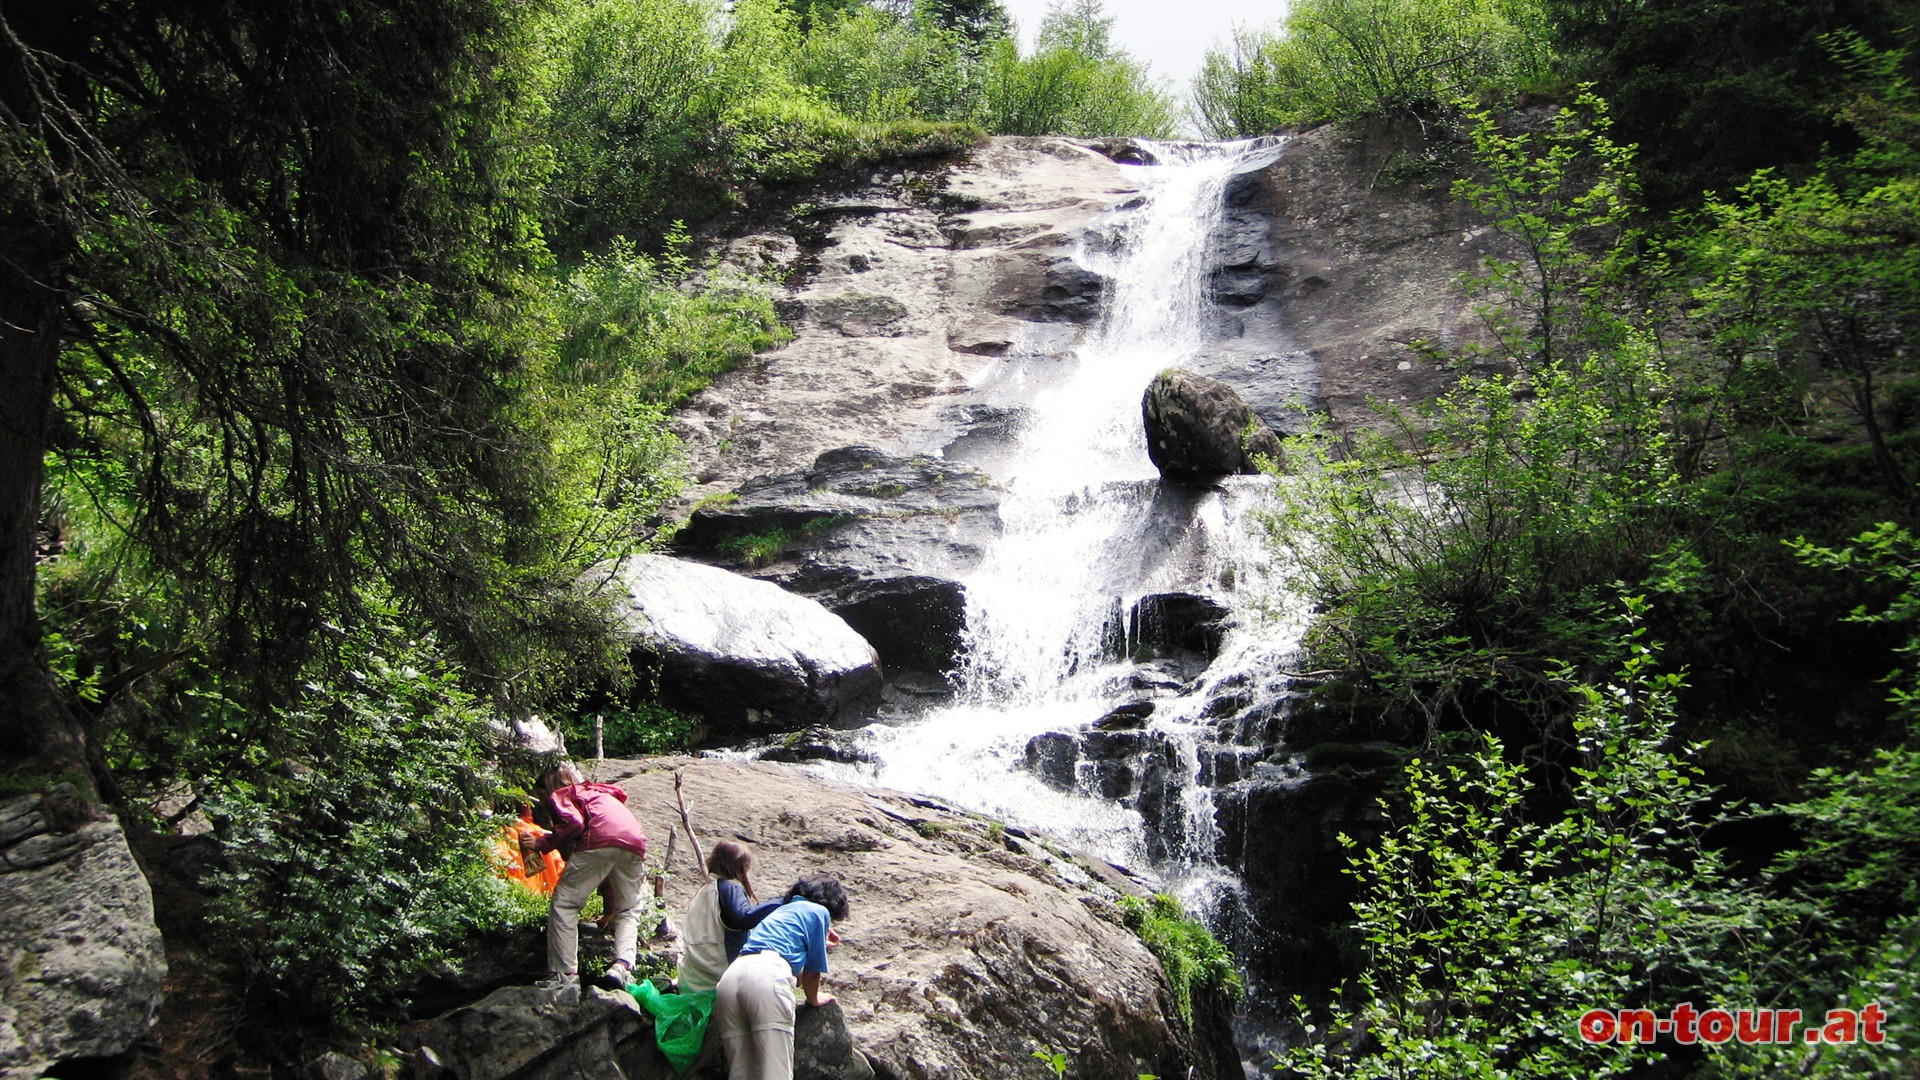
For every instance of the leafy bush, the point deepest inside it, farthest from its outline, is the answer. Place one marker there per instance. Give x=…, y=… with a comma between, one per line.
x=634, y=731
x=665, y=110
x=1341, y=59
x=1488, y=930
x=627, y=318
x=1460, y=548
x=355, y=847
x=1075, y=83
x=873, y=67
x=1822, y=275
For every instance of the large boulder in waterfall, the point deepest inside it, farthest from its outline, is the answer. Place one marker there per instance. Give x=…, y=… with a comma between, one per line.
x=748, y=656
x=84, y=962
x=882, y=541
x=1199, y=427
x=1178, y=621
x=966, y=946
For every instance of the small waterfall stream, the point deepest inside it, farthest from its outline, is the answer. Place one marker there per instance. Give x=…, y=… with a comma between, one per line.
x=1087, y=530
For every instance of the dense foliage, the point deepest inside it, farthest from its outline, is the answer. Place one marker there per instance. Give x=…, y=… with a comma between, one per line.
x=1702, y=417
x=1341, y=59
x=345, y=335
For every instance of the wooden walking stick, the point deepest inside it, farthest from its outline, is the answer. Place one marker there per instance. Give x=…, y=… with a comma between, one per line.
x=686, y=822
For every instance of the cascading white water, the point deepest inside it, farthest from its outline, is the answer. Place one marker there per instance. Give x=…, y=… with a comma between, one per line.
x=1080, y=495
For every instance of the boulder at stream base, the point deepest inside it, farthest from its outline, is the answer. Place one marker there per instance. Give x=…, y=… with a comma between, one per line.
x=748, y=656
x=965, y=949
x=83, y=958
x=1199, y=427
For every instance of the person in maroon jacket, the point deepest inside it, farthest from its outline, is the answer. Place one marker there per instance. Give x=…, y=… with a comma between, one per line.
x=603, y=842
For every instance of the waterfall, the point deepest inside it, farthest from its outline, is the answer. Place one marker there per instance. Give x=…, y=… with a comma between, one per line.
x=1087, y=529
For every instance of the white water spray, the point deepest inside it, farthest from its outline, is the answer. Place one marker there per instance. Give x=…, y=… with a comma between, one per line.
x=1077, y=546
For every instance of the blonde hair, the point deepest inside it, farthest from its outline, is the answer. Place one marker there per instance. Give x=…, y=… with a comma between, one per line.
x=565, y=774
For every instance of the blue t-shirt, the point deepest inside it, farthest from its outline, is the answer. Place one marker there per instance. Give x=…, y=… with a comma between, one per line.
x=797, y=930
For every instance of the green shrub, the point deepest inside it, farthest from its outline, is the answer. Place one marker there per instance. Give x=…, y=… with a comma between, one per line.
x=355, y=848
x=1192, y=957
x=628, y=319
x=1340, y=59
x=876, y=68
x=759, y=549
x=634, y=731
x=665, y=110
x=1058, y=91
x=1488, y=928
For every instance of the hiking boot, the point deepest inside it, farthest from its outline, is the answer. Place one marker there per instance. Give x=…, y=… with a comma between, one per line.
x=564, y=988
x=616, y=977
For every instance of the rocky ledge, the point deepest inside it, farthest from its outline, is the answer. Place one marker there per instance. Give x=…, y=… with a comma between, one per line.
x=83, y=960
x=967, y=947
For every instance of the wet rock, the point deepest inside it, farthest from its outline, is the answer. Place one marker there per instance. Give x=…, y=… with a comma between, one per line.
x=1102, y=758
x=1125, y=151
x=746, y=655
x=483, y=965
x=1130, y=717
x=1239, y=288
x=812, y=744
x=84, y=963
x=337, y=1066
x=1198, y=428
x=857, y=314
x=921, y=685
x=1053, y=756
x=881, y=541
x=1182, y=621
x=1164, y=675
x=1280, y=830
x=900, y=288
x=1360, y=259
x=529, y=1033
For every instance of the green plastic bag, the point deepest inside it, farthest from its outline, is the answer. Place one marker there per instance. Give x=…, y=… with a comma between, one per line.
x=679, y=1021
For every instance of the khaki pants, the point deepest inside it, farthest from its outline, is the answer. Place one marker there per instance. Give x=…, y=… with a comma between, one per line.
x=620, y=869
x=753, y=1012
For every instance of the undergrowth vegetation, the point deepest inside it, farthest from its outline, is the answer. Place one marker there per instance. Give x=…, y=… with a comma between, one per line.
x=1702, y=796
x=1195, y=961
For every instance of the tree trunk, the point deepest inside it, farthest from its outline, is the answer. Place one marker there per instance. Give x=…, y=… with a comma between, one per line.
x=37, y=719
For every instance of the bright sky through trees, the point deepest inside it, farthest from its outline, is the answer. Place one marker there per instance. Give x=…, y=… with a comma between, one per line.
x=1171, y=35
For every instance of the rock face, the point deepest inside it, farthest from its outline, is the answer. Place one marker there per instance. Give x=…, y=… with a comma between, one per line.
x=902, y=288
x=881, y=541
x=965, y=948
x=747, y=655
x=1198, y=428
x=1345, y=250
x=83, y=959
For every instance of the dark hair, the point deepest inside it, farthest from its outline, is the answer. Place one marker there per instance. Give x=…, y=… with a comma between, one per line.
x=822, y=890
x=730, y=860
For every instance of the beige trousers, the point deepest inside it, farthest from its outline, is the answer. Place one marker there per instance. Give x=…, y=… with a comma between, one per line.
x=753, y=1012
x=620, y=869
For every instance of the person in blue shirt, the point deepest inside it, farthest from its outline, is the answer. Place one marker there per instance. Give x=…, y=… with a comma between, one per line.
x=719, y=918
x=753, y=1009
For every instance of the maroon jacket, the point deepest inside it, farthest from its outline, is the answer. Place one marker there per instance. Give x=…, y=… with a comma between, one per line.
x=591, y=815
